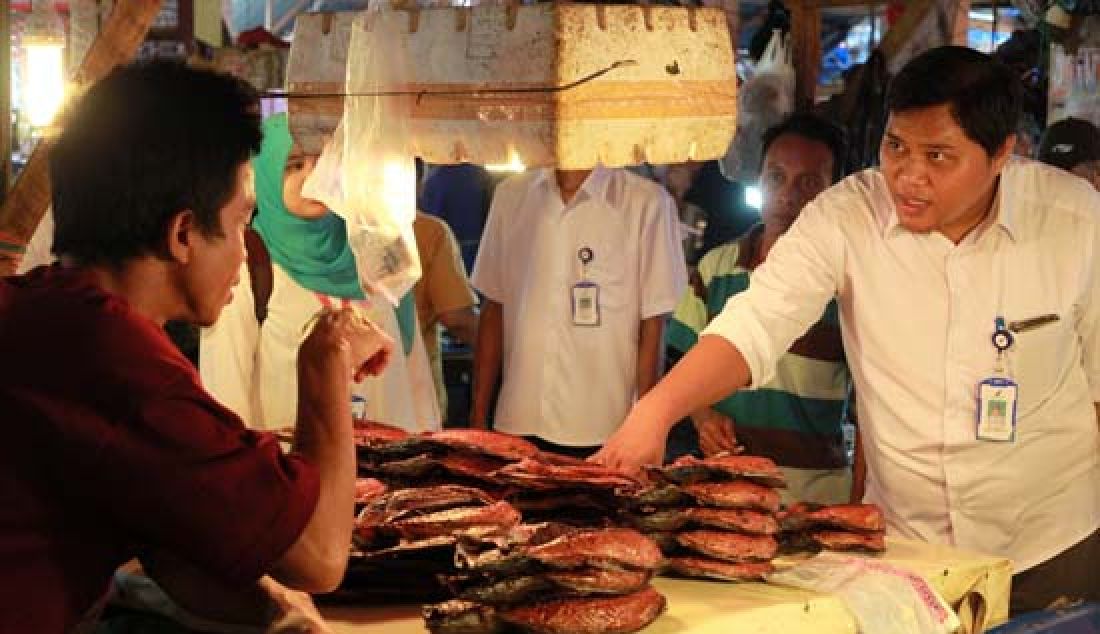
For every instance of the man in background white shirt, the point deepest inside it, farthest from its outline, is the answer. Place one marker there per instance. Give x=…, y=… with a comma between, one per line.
x=945, y=255
x=579, y=270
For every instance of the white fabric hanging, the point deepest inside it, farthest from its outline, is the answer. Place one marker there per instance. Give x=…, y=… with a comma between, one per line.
x=252, y=369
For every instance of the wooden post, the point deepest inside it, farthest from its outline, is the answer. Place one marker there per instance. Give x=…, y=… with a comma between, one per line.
x=116, y=43
x=806, y=42
x=11, y=250
x=5, y=97
x=962, y=23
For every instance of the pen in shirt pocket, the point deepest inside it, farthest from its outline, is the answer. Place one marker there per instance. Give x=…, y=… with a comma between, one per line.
x=1024, y=325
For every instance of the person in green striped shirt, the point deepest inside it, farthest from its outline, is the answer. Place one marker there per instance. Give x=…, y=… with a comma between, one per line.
x=795, y=419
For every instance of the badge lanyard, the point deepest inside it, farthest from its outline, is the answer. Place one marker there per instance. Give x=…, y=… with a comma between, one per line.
x=585, y=294
x=1002, y=340
x=998, y=395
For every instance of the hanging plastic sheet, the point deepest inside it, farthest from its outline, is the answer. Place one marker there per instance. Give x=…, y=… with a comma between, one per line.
x=366, y=173
x=764, y=101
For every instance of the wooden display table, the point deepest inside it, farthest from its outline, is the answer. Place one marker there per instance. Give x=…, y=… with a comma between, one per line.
x=978, y=585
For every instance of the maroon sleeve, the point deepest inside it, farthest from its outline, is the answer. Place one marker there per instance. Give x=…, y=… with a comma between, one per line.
x=128, y=442
x=208, y=490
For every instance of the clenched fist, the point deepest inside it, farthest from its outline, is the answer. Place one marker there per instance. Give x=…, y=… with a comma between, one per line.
x=346, y=337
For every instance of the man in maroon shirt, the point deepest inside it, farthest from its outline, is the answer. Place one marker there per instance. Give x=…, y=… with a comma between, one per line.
x=111, y=448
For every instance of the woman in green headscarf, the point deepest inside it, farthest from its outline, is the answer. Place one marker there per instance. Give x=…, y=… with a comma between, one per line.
x=301, y=263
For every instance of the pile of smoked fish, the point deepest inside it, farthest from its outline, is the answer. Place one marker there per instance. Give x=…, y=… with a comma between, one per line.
x=714, y=518
x=440, y=517
x=551, y=578
x=419, y=494
x=843, y=527
x=501, y=537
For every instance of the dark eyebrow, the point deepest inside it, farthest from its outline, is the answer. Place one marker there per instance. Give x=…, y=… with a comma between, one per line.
x=923, y=146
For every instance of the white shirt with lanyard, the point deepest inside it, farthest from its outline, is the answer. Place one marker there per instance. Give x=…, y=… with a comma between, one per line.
x=574, y=282
x=976, y=365
x=586, y=294
x=998, y=394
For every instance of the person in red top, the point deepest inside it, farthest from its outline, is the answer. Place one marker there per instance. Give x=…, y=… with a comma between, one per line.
x=111, y=447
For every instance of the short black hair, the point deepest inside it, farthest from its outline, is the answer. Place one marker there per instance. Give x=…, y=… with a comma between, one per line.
x=815, y=128
x=984, y=95
x=146, y=142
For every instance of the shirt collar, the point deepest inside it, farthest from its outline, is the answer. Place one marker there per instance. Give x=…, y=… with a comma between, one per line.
x=1006, y=206
x=1003, y=211
x=595, y=186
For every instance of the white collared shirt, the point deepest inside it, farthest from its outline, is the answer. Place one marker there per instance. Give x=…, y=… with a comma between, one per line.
x=917, y=313
x=568, y=384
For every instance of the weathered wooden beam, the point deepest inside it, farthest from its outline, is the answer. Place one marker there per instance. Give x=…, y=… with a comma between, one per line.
x=806, y=43
x=24, y=205
x=5, y=97
x=961, y=24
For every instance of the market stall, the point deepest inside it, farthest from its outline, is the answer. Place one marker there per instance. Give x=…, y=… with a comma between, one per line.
x=977, y=584
x=443, y=522
x=616, y=86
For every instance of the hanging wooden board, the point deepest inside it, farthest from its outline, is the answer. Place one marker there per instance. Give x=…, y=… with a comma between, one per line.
x=318, y=66
x=493, y=84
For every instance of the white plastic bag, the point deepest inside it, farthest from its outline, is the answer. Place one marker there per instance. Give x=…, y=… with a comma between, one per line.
x=763, y=101
x=775, y=66
x=882, y=597
x=366, y=174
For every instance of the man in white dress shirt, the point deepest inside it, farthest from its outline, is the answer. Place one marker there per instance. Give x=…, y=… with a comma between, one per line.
x=579, y=270
x=968, y=291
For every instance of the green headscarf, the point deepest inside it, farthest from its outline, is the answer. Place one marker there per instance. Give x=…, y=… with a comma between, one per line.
x=315, y=253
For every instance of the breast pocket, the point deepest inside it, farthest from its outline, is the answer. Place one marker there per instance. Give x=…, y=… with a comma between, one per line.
x=614, y=270
x=1041, y=357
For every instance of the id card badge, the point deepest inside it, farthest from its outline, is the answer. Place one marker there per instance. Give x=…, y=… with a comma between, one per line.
x=997, y=398
x=586, y=304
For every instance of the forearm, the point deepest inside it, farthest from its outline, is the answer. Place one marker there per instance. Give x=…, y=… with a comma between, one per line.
x=462, y=323
x=323, y=434
x=651, y=335
x=712, y=370
x=487, y=359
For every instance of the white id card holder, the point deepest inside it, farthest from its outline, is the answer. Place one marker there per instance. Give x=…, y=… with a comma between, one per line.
x=586, y=304
x=997, y=398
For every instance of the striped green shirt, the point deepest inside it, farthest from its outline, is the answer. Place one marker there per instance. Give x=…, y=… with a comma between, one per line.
x=795, y=418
